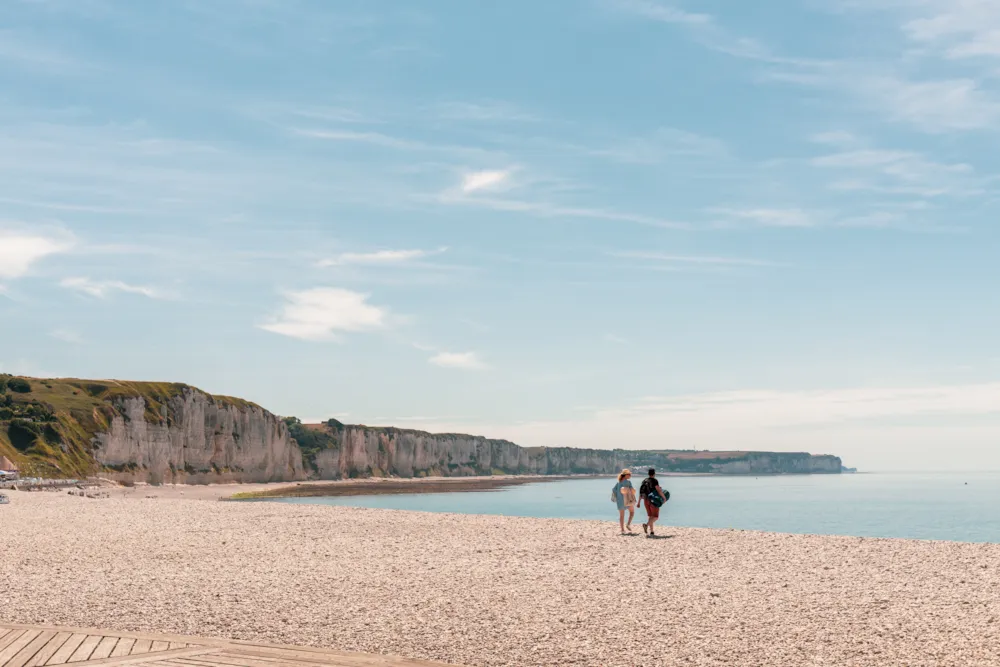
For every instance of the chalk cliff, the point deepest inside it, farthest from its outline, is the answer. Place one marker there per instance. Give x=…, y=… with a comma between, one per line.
x=170, y=432
x=141, y=431
x=199, y=439
x=339, y=451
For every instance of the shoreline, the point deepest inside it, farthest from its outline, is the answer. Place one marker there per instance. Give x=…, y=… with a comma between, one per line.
x=374, y=486
x=352, y=487
x=488, y=591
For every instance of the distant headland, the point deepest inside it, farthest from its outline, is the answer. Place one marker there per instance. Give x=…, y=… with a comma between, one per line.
x=161, y=432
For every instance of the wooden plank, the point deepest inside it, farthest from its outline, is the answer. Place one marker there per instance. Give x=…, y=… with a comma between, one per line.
x=146, y=658
x=161, y=646
x=67, y=650
x=286, y=655
x=163, y=636
x=61, y=645
x=104, y=649
x=15, y=646
x=215, y=660
x=10, y=638
x=123, y=647
x=82, y=654
x=220, y=660
x=50, y=649
x=29, y=651
x=141, y=646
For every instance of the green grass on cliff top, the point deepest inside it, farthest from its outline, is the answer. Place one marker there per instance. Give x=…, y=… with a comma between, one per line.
x=82, y=409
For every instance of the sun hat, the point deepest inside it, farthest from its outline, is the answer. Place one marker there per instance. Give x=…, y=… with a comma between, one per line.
x=625, y=471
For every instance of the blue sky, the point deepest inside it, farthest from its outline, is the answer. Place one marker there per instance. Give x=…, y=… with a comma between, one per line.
x=601, y=223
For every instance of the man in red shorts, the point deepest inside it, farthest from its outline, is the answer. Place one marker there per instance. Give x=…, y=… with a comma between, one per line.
x=652, y=497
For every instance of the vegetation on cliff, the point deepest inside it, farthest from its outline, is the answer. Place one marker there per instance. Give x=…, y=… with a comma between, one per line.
x=47, y=426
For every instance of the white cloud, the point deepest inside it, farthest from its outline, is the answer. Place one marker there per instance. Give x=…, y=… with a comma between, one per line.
x=934, y=105
x=380, y=257
x=770, y=217
x=103, y=289
x=482, y=180
x=19, y=250
x=318, y=314
x=960, y=28
x=467, y=361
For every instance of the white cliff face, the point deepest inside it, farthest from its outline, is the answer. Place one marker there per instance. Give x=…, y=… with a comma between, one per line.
x=361, y=452
x=201, y=439
x=770, y=463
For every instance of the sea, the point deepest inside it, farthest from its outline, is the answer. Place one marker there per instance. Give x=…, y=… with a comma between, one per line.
x=933, y=506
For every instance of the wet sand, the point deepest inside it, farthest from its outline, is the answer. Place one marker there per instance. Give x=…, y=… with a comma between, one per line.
x=483, y=590
x=381, y=486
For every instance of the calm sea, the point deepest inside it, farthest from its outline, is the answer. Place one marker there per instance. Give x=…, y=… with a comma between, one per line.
x=938, y=506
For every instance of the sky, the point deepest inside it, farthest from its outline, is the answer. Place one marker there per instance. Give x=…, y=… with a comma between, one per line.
x=592, y=223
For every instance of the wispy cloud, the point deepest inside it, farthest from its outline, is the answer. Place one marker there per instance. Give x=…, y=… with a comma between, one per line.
x=20, y=250
x=373, y=138
x=320, y=313
x=660, y=12
x=380, y=257
x=899, y=172
x=466, y=361
x=932, y=105
x=703, y=28
x=767, y=217
x=664, y=145
x=692, y=259
x=545, y=209
x=390, y=142
x=102, y=289
x=483, y=180
x=481, y=112
x=935, y=104
x=960, y=29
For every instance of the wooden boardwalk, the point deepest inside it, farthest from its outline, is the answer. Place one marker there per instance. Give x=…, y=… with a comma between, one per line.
x=36, y=646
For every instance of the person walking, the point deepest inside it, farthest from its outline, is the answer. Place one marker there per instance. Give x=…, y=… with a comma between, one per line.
x=624, y=495
x=652, y=497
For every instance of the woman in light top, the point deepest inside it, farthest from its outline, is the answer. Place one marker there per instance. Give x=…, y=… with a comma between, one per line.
x=624, y=496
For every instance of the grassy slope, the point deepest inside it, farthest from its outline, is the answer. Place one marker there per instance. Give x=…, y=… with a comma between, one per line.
x=80, y=409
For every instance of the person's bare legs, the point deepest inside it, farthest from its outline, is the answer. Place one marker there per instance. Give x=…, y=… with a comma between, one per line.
x=631, y=515
x=621, y=519
x=650, y=523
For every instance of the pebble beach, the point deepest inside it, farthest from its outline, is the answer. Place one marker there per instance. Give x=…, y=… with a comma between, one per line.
x=485, y=590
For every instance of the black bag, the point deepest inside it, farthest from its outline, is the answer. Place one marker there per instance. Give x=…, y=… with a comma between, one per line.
x=655, y=499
